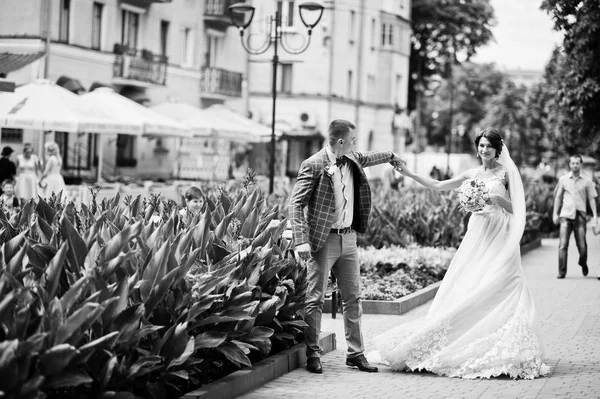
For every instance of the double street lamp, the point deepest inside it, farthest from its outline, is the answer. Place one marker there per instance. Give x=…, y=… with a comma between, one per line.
x=241, y=15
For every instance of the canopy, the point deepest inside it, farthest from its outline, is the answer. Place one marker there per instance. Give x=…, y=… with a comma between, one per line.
x=255, y=130
x=122, y=109
x=206, y=122
x=43, y=105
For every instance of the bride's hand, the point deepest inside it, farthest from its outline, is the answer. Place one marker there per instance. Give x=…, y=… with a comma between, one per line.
x=402, y=168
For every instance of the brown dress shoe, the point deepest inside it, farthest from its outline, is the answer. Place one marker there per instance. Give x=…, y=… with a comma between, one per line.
x=313, y=364
x=361, y=362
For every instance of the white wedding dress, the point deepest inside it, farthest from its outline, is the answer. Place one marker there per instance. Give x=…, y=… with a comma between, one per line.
x=481, y=323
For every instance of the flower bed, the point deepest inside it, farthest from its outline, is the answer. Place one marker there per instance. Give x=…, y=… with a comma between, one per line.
x=108, y=301
x=393, y=272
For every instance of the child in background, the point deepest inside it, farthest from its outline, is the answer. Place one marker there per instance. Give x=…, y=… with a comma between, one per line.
x=194, y=200
x=10, y=203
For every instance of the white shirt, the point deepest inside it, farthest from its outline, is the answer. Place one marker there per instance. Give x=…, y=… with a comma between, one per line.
x=343, y=192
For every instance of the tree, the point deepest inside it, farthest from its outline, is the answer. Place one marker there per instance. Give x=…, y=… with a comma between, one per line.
x=578, y=91
x=443, y=30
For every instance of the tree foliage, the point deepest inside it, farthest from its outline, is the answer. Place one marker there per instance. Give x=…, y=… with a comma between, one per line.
x=443, y=29
x=578, y=90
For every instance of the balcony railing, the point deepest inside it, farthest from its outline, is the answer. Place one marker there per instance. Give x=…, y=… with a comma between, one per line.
x=221, y=82
x=216, y=14
x=140, y=65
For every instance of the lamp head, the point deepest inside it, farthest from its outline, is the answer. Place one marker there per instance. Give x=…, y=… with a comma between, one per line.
x=311, y=8
x=241, y=15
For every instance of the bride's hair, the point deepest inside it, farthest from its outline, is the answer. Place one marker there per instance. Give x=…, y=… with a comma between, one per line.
x=494, y=138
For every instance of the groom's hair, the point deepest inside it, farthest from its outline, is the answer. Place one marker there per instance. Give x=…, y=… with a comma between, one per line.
x=338, y=129
x=494, y=137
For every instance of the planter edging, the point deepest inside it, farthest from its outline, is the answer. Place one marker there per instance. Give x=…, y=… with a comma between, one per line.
x=245, y=380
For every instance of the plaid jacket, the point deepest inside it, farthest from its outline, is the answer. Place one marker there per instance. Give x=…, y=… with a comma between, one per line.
x=314, y=190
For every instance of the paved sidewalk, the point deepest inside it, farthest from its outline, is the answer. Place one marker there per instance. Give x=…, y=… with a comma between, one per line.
x=569, y=312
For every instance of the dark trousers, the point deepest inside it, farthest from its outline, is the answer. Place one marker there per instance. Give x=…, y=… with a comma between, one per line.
x=577, y=225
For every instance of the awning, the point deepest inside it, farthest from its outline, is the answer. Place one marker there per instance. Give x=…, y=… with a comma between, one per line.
x=303, y=133
x=10, y=62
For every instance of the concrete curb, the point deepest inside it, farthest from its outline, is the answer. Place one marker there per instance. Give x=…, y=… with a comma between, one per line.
x=417, y=298
x=244, y=381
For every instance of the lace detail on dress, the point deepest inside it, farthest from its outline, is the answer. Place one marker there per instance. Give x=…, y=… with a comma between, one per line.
x=513, y=350
x=422, y=353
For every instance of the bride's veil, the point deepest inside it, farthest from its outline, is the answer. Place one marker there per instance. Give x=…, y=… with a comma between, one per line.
x=517, y=197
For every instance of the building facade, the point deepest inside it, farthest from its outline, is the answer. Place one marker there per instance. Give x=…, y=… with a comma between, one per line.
x=356, y=68
x=147, y=50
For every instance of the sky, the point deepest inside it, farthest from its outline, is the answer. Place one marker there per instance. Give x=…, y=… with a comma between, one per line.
x=524, y=36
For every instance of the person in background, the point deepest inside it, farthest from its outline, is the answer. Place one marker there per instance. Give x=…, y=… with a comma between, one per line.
x=8, y=169
x=435, y=173
x=194, y=200
x=52, y=180
x=10, y=203
x=571, y=194
x=28, y=165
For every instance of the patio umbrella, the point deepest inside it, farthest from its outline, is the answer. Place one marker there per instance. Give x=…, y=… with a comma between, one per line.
x=44, y=105
x=120, y=108
x=203, y=123
x=254, y=131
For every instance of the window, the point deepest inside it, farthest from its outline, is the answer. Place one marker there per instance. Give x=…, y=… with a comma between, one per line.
x=211, y=55
x=284, y=81
x=164, y=37
x=352, y=26
x=387, y=35
x=286, y=12
x=76, y=150
x=125, y=150
x=63, y=21
x=187, y=47
x=130, y=28
x=12, y=136
x=350, y=84
x=97, y=11
x=373, y=33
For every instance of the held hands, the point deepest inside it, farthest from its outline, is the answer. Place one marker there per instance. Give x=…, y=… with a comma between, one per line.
x=555, y=219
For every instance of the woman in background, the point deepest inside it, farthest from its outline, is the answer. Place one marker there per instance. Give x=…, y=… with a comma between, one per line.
x=52, y=180
x=28, y=165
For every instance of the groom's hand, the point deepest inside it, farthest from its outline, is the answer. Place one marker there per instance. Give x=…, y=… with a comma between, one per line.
x=302, y=252
x=396, y=160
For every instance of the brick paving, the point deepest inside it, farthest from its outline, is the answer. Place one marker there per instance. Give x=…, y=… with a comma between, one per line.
x=569, y=313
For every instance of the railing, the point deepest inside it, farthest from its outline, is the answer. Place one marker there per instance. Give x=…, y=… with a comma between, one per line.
x=218, y=8
x=220, y=81
x=140, y=65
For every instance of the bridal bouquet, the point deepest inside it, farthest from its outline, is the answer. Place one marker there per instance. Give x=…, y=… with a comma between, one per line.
x=473, y=195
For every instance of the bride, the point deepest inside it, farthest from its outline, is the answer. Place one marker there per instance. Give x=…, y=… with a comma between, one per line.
x=481, y=322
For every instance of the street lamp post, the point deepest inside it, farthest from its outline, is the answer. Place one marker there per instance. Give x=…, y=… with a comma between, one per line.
x=241, y=15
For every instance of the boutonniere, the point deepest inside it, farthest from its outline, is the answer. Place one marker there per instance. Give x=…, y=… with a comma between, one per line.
x=330, y=169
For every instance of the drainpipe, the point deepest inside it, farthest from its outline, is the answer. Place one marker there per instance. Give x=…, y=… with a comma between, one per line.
x=331, y=7
x=359, y=64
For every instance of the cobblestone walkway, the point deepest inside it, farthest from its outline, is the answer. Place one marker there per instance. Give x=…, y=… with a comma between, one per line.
x=569, y=311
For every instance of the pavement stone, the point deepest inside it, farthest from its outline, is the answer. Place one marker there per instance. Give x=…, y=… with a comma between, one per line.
x=569, y=321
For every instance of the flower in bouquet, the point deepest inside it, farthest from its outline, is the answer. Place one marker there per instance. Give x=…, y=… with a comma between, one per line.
x=473, y=195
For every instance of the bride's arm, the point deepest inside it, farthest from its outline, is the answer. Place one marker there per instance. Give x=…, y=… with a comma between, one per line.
x=433, y=184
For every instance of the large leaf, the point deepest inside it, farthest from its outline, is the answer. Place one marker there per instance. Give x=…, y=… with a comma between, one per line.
x=250, y=224
x=118, y=242
x=209, y=339
x=155, y=270
x=176, y=344
x=259, y=334
x=69, y=379
x=74, y=294
x=189, y=350
x=77, y=247
x=82, y=315
x=142, y=366
x=54, y=270
x=234, y=354
x=15, y=265
x=201, y=230
x=55, y=359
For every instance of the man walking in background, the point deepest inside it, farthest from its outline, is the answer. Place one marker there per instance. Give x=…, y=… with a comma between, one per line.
x=332, y=185
x=570, y=207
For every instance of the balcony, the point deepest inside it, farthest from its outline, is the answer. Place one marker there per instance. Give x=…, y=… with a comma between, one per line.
x=143, y=3
x=216, y=15
x=138, y=67
x=217, y=82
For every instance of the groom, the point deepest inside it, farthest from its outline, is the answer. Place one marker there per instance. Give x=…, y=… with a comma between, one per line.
x=333, y=187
